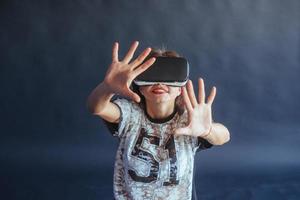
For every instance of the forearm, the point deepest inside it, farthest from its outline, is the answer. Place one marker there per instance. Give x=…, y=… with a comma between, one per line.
x=99, y=98
x=218, y=134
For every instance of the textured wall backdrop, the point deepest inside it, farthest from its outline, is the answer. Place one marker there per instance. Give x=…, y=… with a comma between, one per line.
x=53, y=53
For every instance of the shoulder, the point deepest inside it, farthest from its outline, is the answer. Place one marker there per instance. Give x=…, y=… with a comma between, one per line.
x=129, y=109
x=130, y=113
x=126, y=103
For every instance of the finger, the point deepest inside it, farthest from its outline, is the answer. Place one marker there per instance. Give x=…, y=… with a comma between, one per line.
x=135, y=97
x=115, y=51
x=182, y=131
x=141, y=57
x=211, y=97
x=201, y=91
x=143, y=67
x=191, y=93
x=130, y=52
x=186, y=100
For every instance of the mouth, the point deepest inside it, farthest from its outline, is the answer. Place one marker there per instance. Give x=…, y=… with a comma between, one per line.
x=159, y=90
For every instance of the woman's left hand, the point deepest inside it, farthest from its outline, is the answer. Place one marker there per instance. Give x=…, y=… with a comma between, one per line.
x=199, y=112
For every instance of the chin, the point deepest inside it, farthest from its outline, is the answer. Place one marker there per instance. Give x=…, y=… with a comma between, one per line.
x=161, y=99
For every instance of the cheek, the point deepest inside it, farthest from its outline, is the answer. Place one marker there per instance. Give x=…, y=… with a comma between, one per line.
x=176, y=92
x=143, y=90
x=179, y=91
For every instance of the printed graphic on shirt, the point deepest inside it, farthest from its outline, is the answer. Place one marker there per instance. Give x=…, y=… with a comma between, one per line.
x=152, y=163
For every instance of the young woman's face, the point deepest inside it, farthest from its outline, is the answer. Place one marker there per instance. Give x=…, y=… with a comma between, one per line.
x=160, y=93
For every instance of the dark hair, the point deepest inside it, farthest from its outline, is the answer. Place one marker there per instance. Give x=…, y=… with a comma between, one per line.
x=159, y=53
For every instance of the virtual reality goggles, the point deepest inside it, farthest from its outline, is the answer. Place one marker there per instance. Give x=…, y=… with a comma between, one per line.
x=172, y=71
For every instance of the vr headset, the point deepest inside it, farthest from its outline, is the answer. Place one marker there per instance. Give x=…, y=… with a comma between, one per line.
x=172, y=71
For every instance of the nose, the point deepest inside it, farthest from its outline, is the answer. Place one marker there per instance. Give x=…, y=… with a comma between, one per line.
x=158, y=84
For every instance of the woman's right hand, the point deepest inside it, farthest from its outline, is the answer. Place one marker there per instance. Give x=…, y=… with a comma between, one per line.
x=120, y=74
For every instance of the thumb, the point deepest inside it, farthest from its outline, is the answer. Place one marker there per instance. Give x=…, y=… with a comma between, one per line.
x=135, y=97
x=183, y=131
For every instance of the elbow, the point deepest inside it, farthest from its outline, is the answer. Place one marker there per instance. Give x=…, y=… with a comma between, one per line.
x=94, y=109
x=90, y=107
x=226, y=137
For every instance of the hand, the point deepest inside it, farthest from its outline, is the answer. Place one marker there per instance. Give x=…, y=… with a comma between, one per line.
x=199, y=112
x=120, y=74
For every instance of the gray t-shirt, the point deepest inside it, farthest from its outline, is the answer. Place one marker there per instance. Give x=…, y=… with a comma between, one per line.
x=152, y=163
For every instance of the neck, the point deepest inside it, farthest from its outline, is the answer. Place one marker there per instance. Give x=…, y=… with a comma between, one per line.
x=160, y=110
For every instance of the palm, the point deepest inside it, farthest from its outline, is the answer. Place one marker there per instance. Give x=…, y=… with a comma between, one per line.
x=199, y=112
x=120, y=74
x=118, y=77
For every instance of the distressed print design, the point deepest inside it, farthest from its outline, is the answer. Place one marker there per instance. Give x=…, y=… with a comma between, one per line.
x=151, y=163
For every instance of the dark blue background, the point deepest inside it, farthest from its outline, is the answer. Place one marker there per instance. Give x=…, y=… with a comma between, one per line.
x=53, y=53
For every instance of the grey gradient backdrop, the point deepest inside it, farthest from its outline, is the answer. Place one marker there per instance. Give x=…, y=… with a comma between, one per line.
x=53, y=53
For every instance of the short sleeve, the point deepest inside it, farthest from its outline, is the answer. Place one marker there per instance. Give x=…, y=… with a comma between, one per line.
x=117, y=129
x=203, y=144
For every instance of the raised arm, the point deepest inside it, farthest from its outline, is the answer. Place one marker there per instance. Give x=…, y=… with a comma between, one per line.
x=117, y=80
x=200, y=123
